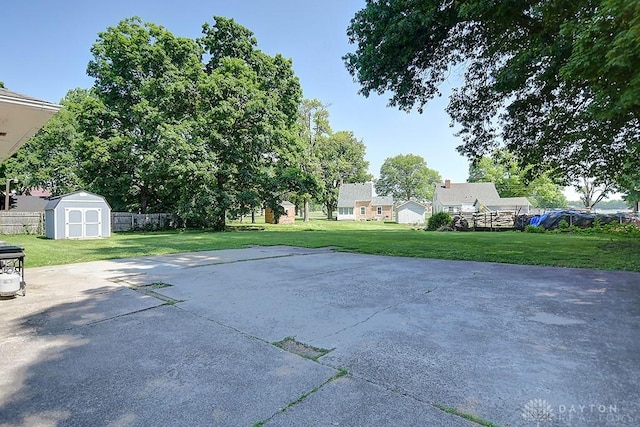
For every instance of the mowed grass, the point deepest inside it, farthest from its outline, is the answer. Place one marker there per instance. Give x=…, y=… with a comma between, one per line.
x=601, y=251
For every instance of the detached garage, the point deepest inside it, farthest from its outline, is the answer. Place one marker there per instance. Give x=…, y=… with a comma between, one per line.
x=410, y=212
x=79, y=215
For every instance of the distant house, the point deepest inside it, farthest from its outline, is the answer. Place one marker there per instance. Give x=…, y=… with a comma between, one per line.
x=472, y=197
x=289, y=216
x=410, y=212
x=359, y=202
x=29, y=204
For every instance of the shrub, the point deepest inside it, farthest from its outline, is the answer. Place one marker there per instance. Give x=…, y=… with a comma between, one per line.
x=533, y=229
x=438, y=220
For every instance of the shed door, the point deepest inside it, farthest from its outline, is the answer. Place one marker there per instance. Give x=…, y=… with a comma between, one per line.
x=83, y=222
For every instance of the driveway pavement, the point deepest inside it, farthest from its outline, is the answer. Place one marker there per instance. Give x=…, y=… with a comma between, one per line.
x=282, y=336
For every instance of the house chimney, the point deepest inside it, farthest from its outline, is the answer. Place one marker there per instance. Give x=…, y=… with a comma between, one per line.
x=447, y=183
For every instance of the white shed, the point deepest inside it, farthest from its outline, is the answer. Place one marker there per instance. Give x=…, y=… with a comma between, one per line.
x=410, y=212
x=79, y=215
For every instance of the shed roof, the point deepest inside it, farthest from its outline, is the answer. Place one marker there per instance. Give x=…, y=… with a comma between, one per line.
x=21, y=117
x=410, y=202
x=465, y=193
x=55, y=201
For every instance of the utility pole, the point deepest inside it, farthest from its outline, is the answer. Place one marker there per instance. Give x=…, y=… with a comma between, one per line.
x=6, y=193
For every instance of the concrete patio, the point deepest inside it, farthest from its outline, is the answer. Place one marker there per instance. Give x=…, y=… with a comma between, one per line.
x=190, y=339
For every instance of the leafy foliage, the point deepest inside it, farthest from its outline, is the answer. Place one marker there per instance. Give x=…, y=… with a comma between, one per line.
x=555, y=81
x=143, y=78
x=173, y=133
x=407, y=177
x=342, y=159
x=331, y=157
x=438, y=220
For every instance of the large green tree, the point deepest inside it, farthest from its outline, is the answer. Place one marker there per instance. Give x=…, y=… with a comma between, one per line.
x=342, y=159
x=554, y=81
x=407, y=177
x=146, y=80
x=313, y=120
x=249, y=120
x=329, y=157
x=202, y=128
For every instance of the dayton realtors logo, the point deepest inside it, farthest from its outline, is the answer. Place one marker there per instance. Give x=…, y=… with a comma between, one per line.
x=538, y=411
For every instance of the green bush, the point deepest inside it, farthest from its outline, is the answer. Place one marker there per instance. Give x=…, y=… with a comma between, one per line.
x=630, y=230
x=533, y=229
x=438, y=220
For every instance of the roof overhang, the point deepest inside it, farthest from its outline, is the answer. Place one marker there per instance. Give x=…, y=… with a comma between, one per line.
x=20, y=118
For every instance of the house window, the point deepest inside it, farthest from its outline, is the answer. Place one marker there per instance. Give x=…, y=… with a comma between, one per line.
x=345, y=211
x=363, y=210
x=379, y=210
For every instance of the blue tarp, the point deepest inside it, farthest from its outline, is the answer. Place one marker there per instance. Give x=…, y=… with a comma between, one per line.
x=551, y=220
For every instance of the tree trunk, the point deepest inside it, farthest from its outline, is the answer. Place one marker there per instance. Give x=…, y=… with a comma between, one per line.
x=144, y=201
x=329, y=211
x=219, y=221
x=220, y=211
x=306, y=209
x=253, y=217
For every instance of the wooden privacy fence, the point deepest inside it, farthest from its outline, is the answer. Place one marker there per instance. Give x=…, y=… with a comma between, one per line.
x=126, y=221
x=33, y=222
x=22, y=222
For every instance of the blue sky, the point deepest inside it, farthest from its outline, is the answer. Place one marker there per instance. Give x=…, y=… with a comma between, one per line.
x=45, y=50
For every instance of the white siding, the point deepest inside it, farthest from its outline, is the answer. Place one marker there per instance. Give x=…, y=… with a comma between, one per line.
x=410, y=213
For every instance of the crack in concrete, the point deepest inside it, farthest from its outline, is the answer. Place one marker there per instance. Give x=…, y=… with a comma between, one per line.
x=340, y=372
x=375, y=313
x=472, y=419
x=236, y=261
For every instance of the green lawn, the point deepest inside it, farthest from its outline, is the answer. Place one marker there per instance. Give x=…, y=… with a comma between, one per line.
x=600, y=251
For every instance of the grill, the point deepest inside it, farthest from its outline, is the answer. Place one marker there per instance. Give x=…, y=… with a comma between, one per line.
x=12, y=271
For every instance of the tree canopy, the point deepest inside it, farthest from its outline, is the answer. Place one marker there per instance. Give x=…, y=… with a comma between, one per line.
x=556, y=82
x=407, y=177
x=330, y=157
x=200, y=127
